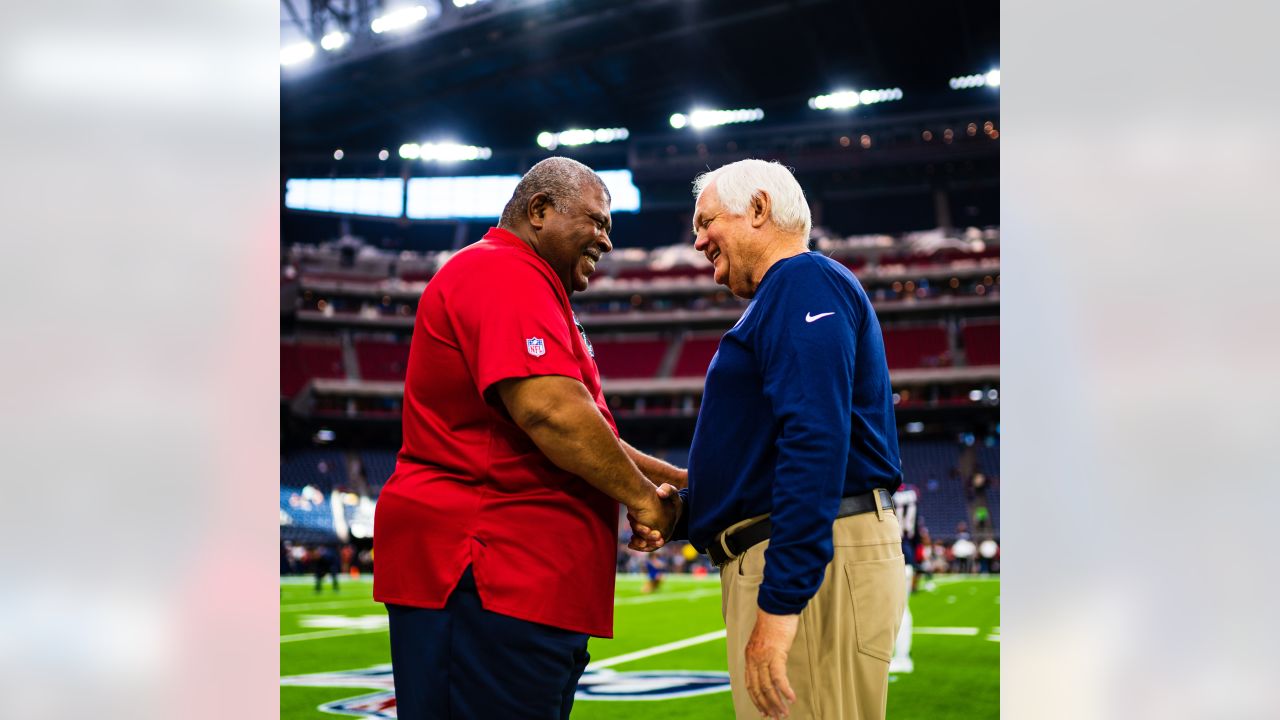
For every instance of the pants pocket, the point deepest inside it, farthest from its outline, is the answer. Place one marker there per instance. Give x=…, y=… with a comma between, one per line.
x=877, y=591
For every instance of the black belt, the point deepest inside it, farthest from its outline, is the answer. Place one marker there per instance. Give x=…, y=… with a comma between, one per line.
x=740, y=540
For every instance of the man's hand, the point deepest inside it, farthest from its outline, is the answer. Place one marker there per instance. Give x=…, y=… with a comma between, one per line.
x=651, y=528
x=766, y=666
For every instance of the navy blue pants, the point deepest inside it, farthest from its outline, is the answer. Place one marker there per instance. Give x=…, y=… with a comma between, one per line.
x=463, y=662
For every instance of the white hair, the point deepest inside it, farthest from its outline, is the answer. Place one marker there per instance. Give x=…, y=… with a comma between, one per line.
x=738, y=182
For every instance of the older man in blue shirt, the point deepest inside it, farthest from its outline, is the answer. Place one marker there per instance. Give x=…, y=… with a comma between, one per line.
x=794, y=461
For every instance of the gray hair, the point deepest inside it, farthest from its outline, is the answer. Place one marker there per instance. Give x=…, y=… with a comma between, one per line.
x=738, y=182
x=561, y=178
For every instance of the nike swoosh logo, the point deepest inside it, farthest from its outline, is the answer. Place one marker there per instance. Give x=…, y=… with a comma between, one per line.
x=819, y=316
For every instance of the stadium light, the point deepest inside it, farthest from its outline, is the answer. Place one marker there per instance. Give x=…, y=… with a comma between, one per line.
x=333, y=40
x=338, y=154
x=399, y=19
x=699, y=119
x=845, y=99
x=294, y=54
x=990, y=78
x=383, y=154
x=444, y=152
x=551, y=141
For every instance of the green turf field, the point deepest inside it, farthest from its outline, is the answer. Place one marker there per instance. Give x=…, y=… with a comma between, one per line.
x=956, y=649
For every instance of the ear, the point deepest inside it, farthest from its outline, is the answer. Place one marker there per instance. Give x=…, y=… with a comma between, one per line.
x=537, y=210
x=759, y=209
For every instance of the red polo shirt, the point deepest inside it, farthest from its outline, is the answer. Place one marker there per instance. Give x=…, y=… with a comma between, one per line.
x=470, y=487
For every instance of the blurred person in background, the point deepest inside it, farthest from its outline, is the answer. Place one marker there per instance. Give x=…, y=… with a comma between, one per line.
x=906, y=507
x=510, y=456
x=938, y=557
x=988, y=551
x=324, y=561
x=794, y=461
x=655, y=566
x=286, y=560
x=962, y=551
x=924, y=561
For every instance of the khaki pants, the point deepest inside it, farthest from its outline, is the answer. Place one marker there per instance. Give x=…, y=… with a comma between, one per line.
x=839, y=663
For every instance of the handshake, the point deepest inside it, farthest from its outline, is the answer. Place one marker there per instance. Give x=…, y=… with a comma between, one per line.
x=653, y=520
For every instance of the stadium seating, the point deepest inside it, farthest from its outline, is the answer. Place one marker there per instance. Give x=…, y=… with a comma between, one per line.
x=695, y=356
x=378, y=466
x=322, y=469
x=382, y=359
x=930, y=465
x=989, y=464
x=911, y=347
x=981, y=342
x=629, y=358
x=299, y=362
x=305, y=515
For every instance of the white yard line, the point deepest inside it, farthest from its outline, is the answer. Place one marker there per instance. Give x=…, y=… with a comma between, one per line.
x=329, y=633
x=657, y=650
x=320, y=634
x=631, y=600
x=953, y=579
x=298, y=607
x=309, y=579
x=944, y=631
x=674, y=578
x=686, y=595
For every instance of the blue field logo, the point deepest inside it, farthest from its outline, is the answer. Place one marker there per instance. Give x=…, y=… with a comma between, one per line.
x=649, y=685
x=594, y=685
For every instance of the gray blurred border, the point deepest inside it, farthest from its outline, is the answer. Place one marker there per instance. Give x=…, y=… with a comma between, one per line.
x=1139, y=359
x=139, y=424
x=140, y=191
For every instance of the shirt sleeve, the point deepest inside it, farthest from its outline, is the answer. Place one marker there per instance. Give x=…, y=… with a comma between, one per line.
x=807, y=370
x=512, y=324
x=681, y=530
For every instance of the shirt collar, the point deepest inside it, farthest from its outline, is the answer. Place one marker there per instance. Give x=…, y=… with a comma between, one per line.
x=506, y=237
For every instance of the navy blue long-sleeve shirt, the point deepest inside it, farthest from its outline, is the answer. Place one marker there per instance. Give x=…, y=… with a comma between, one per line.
x=797, y=413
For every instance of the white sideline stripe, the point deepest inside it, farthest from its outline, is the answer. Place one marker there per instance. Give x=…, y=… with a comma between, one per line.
x=329, y=633
x=308, y=579
x=326, y=605
x=953, y=579
x=944, y=631
x=687, y=595
x=633, y=600
x=676, y=578
x=657, y=650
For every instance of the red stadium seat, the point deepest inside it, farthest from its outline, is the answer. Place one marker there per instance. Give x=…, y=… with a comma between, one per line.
x=299, y=362
x=695, y=356
x=629, y=358
x=981, y=342
x=912, y=347
x=381, y=359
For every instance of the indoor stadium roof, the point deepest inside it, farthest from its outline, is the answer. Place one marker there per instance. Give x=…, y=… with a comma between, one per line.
x=499, y=72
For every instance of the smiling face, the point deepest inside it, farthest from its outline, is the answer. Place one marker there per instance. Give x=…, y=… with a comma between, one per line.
x=726, y=241
x=574, y=237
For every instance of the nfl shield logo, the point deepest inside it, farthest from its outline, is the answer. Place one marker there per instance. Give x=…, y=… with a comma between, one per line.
x=536, y=346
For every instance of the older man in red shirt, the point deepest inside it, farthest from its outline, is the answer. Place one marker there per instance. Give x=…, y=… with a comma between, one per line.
x=510, y=456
